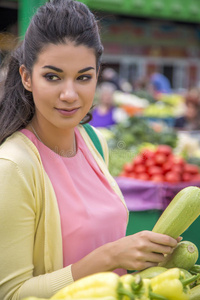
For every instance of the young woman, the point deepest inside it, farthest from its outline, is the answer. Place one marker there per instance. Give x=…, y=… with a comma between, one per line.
x=62, y=215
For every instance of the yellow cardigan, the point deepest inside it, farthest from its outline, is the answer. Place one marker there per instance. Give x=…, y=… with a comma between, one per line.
x=31, y=260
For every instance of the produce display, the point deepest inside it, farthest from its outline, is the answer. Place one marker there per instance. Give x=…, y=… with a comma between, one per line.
x=177, y=278
x=159, y=110
x=163, y=105
x=166, y=106
x=170, y=284
x=126, y=138
x=160, y=165
x=137, y=130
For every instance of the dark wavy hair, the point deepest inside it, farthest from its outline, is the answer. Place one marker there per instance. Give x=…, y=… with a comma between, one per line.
x=55, y=22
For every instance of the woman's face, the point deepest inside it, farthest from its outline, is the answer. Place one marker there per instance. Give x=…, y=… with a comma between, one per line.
x=63, y=84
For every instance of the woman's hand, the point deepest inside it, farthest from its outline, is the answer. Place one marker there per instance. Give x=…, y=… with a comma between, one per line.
x=134, y=252
x=141, y=250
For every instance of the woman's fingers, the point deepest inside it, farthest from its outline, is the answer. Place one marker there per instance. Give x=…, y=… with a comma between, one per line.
x=179, y=239
x=162, y=239
x=143, y=249
x=157, y=248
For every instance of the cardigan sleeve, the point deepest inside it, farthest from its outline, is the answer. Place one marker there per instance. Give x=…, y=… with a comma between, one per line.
x=18, y=226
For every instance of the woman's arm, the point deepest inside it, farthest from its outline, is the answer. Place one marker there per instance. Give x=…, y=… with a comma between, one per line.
x=20, y=217
x=17, y=226
x=135, y=252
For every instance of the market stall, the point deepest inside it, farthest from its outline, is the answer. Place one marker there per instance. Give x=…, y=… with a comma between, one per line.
x=147, y=200
x=152, y=163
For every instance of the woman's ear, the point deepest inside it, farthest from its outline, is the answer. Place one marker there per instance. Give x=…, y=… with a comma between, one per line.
x=26, y=78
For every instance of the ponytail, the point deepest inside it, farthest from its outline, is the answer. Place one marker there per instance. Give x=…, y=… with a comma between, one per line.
x=16, y=103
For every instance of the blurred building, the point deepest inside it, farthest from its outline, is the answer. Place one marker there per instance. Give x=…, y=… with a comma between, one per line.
x=14, y=19
x=139, y=36
x=8, y=26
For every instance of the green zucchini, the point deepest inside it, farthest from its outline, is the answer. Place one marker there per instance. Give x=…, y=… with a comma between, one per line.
x=184, y=256
x=181, y=212
x=152, y=272
x=195, y=293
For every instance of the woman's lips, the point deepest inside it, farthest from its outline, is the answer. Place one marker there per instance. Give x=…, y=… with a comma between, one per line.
x=67, y=112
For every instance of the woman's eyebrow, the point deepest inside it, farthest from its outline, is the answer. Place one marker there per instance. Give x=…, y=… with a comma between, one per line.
x=53, y=68
x=60, y=70
x=85, y=69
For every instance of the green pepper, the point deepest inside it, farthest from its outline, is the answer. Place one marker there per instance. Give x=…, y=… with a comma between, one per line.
x=172, y=284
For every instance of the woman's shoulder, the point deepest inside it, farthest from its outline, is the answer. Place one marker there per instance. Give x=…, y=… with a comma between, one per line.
x=20, y=150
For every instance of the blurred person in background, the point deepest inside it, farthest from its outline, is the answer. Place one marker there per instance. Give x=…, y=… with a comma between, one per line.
x=191, y=119
x=105, y=113
x=110, y=75
x=159, y=83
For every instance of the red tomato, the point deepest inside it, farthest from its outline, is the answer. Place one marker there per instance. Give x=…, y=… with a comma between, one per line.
x=149, y=163
x=190, y=168
x=155, y=170
x=186, y=176
x=128, y=167
x=167, y=166
x=172, y=177
x=147, y=154
x=132, y=175
x=139, y=169
x=160, y=159
x=164, y=149
x=143, y=176
x=177, y=168
x=196, y=177
x=157, y=178
x=178, y=160
x=138, y=160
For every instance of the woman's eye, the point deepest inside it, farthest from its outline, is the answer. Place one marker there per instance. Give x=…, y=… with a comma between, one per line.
x=51, y=77
x=84, y=77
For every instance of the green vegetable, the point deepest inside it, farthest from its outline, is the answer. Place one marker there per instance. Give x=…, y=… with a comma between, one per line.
x=152, y=272
x=184, y=256
x=195, y=269
x=195, y=293
x=180, y=213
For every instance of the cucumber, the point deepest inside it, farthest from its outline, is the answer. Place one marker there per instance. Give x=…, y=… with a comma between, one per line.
x=180, y=213
x=184, y=256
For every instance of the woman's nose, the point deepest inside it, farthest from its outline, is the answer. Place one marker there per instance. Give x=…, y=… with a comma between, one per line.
x=68, y=92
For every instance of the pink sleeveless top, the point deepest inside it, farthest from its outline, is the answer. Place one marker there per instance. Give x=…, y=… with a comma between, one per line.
x=91, y=213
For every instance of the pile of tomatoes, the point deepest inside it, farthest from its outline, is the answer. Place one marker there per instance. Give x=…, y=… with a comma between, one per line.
x=161, y=165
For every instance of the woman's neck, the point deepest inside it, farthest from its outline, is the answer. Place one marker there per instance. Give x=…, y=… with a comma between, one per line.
x=61, y=142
